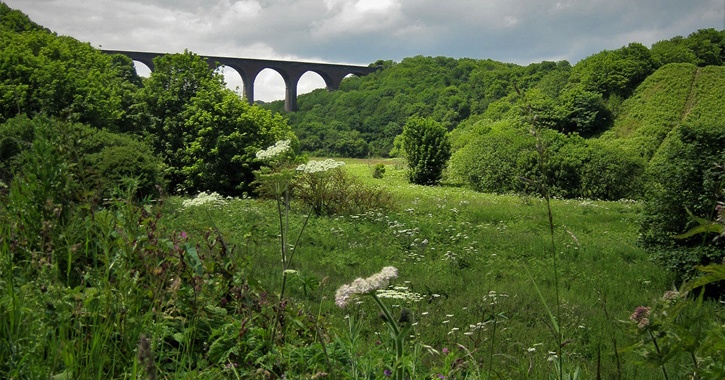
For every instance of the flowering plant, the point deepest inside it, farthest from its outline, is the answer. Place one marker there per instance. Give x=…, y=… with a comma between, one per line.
x=275, y=180
x=370, y=286
x=319, y=166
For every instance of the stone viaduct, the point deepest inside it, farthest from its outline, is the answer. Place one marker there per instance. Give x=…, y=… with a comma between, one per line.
x=248, y=69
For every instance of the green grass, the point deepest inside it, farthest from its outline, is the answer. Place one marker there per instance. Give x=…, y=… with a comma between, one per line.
x=465, y=253
x=454, y=247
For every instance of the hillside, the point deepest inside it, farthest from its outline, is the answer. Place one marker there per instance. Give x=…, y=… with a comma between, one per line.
x=366, y=114
x=674, y=94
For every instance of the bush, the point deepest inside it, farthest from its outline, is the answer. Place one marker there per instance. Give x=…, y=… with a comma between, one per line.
x=427, y=150
x=98, y=160
x=612, y=172
x=500, y=157
x=336, y=192
x=496, y=158
x=685, y=175
x=379, y=170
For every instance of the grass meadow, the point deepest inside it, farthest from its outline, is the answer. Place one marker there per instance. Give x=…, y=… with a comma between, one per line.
x=190, y=289
x=466, y=256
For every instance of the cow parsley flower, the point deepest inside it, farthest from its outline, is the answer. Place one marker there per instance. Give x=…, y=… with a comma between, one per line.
x=278, y=148
x=319, y=166
x=365, y=285
x=204, y=198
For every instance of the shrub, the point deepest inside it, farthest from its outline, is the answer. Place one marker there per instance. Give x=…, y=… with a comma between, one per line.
x=500, y=157
x=686, y=175
x=427, y=150
x=496, y=158
x=335, y=192
x=379, y=170
x=612, y=172
x=97, y=159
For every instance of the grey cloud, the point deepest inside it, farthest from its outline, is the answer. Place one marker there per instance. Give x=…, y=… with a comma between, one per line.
x=521, y=31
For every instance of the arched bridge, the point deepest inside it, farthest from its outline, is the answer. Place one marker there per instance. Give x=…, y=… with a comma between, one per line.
x=248, y=69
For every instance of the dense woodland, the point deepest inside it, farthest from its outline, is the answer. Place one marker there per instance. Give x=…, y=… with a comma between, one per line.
x=367, y=113
x=90, y=151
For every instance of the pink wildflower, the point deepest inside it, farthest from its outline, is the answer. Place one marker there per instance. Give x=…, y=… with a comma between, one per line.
x=641, y=316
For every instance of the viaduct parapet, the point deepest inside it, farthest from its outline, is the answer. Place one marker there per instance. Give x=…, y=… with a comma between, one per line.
x=248, y=69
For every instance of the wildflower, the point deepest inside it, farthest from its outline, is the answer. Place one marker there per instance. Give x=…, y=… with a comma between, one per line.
x=365, y=285
x=640, y=316
x=387, y=372
x=319, y=166
x=204, y=198
x=278, y=148
x=671, y=295
x=445, y=350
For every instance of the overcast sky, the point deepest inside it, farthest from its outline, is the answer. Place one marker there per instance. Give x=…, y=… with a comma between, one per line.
x=363, y=31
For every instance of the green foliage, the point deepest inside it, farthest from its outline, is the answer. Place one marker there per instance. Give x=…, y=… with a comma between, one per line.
x=583, y=111
x=673, y=50
x=427, y=150
x=708, y=45
x=109, y=158
x=495, y=158
x=16, y=21
x=62, y=77
x=612, y=172
x=702, y=48
x=501, y=157
x=685, y=174
x=678, y=327
x=614, y=72
x=336, y=192
x=379, y=170
x=656, y=107
x=370, y=111
x=206, y=134
x=96, y=159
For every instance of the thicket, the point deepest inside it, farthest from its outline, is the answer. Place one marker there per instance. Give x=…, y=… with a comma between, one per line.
x=95, y=161
x=500, y=157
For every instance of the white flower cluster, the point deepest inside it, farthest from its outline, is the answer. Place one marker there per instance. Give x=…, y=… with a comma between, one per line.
x=204, y=198
x=279, y=147
x=365, y=285
x=399, y=293
x=319, y=166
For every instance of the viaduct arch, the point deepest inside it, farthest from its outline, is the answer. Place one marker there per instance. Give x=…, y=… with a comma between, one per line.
x=248, y=69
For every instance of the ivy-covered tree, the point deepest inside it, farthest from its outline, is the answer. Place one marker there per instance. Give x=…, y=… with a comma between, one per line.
x=427, y=149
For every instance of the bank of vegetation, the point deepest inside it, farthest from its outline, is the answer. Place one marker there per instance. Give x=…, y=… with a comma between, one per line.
x=541, y=221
